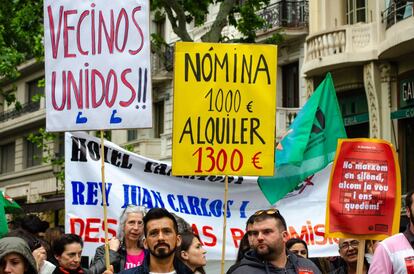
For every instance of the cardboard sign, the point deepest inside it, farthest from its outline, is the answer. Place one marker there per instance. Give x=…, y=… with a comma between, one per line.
x=224, y=109
x=97, y=64
x=365, y=189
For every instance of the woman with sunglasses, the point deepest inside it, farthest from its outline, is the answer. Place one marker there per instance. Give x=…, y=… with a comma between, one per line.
x=125, y=251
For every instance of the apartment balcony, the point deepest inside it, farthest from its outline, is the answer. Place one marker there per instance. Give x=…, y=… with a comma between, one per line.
x=292, y=16
x=162, y=63
x=398, y=22
x=30, y=113
x=341, y=47
x=284, y=118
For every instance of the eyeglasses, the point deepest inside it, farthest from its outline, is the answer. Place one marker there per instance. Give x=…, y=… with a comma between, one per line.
x=346, y=245
x=271, y=211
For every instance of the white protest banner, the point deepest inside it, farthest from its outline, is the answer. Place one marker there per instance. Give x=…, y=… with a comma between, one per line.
x=132, y=179
x=97, y=64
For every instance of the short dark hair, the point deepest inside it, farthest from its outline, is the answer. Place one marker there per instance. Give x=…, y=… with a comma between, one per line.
x=66, y=239
x=292, y=241
x=157, y=213
x=271, y=213
x=409, y=199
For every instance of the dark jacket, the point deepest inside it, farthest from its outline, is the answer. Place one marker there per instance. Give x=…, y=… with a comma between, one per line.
x=179, y=267
x=116, y=258
x=251, y=263
x=343, y=269
x=17, y=245
x=80, y=270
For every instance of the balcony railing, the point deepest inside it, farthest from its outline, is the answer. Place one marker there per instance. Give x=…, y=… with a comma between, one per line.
x=357, y=41
x=162, y=58
x=291, y=14
x=397, y=11
x=26, y=108
x=284, y=118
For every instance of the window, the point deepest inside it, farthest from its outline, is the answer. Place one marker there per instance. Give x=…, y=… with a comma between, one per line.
x=158, y=123
x=60, y=151
x=290, y=85
x=132, y=135
x=33, y=154
x=355, y=11
x=7, y=158
x=34, y=89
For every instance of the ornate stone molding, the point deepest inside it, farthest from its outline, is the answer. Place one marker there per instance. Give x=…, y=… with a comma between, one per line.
x=373, y=102
x=387, y=76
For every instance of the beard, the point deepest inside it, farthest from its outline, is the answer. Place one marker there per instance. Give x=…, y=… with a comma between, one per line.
x=162, y=251
x=270, y=252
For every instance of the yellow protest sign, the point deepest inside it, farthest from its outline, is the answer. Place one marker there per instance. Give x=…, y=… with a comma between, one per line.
x=224, y=109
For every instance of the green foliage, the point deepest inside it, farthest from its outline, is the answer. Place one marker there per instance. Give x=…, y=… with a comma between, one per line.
x=275, y=39
x=41, y=139
x=21, y=34
x=129, y=147
x=249, y=21
x=242, y=14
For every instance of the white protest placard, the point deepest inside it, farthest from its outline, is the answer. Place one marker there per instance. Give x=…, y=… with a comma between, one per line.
x=97, y=64
x=132, y=179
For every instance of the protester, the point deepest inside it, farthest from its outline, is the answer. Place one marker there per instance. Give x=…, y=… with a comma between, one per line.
x=16, y=257
x=298, y=247
x=126, y=251
x=396, y=254
x=348, y=250
x=51, y=235
x=38, y=247
x=34, y=225
x=269, y=254
x=68, y=252
x=244, y=246
x=192, y=253
x=161, y=239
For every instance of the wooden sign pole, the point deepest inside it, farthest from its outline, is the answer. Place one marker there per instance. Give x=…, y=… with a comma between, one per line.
x=361, y=257
x=223, y=247
x=104, y=204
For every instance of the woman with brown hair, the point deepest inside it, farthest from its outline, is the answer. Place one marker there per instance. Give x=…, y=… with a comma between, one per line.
x=192, y=253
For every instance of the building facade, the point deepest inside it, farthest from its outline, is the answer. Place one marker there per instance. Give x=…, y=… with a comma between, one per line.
x=367, y=46
x=33, y=183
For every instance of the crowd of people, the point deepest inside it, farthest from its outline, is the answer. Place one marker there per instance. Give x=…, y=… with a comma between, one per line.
x=157, y=241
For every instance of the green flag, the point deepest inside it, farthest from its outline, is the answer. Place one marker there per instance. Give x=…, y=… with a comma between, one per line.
x=7, y=205
x=309, y=145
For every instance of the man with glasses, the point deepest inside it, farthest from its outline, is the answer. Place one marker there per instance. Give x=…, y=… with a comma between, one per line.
x=268, y=236
x=348, y=250
x=396, y=254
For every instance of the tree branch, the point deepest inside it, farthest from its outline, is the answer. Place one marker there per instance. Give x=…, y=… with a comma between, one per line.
x=214, y=34
x=180, y=29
